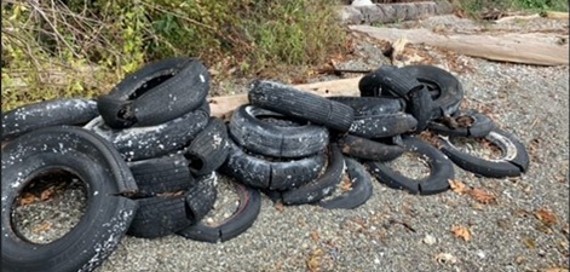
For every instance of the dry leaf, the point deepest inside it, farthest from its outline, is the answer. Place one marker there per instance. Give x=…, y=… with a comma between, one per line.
x=555, y=269
x=461, y=232
x=458, y=186
x=482, y=196
x=47, y=194
x=529, y=243
x=315, y=236
x=279, y=206
x=546, y=217
x=346, y=184
x=27, y=199
x=42, y=227
x=314, y=261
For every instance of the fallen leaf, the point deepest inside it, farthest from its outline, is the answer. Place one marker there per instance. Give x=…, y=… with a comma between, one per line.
x=555, y=269
x=529, y=243
x=47, y=193
x=346, y=184
x=314, y=261
x=546, y=217
x=27, y=199
x=445, y=258
x=482, y=196
x=461, y=232
x=42, y=227
x=279, y=207
x=458, y=186
x=315, y=236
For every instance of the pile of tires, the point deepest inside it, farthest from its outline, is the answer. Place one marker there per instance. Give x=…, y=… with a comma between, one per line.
x=150, y=154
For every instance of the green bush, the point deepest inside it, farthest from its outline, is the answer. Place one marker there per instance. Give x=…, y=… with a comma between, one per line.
x=81, y=48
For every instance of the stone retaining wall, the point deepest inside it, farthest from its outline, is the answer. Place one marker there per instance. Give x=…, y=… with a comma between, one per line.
x=390, y=13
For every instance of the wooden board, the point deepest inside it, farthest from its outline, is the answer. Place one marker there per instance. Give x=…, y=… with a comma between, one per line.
x=223, y=106
x=528, y=48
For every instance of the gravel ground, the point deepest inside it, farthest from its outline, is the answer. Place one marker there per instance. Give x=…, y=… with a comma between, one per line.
x=397, y=231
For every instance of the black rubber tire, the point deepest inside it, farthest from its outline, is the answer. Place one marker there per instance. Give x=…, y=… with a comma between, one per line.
x=210, y=149
x=451, y=93
x=139, y=143
x=164, y=215
x=437, y=181
x=274, y=175
x=133, y=103
x=67, y=111
x=366, y=149
x=238, y=223
x=289, y=101
x=201, y=196
x=515, y=159
x=481, y=126
x=420, y=106
x=365, y=106
x=160, y=175
x=390, y=79
x=384, y=125
x=275, y=140
x=107, y=215
x=322, y=186
x=361, y=188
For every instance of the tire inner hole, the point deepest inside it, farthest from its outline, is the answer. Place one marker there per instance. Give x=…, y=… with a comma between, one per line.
x=50, y=206
x=433, y=88
x=226, y=203
x=478, y=147
x=150, y=84
x=411, y=165
x=344, y=186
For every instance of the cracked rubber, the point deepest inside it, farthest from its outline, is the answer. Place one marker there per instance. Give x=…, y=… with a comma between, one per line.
x=366, y=149
x=441, y=170
x=322, y=186
x=289, y=101
x=276, y=140
x=239, y=222
x=160, y=175
x=447, y=89
x=107, y=215
x=138, y=143
x=361, y=189
x=201, y=196
x=274, y=175
x=56, y=112
x=173, y=211
x=514, y=162
x=365, y=106
x=158, y=92
x=383, y=125
x=210, y=149
x=481, y=126
x=388, y=78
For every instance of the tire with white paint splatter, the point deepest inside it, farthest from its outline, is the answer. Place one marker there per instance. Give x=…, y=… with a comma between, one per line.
x=158, y=92
x=383, y=125
x=169, y=212
x=65, y=111
x=441, y=170
x=264, y=173
x=239, y=222
x=210, y=149
x=322, y=186
x=514, y=162
x=160, y=175
x=365, y=106
x=292, y=102
x=107, y=215
x=138, y=143
x=360, y=190
x=249, y=131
